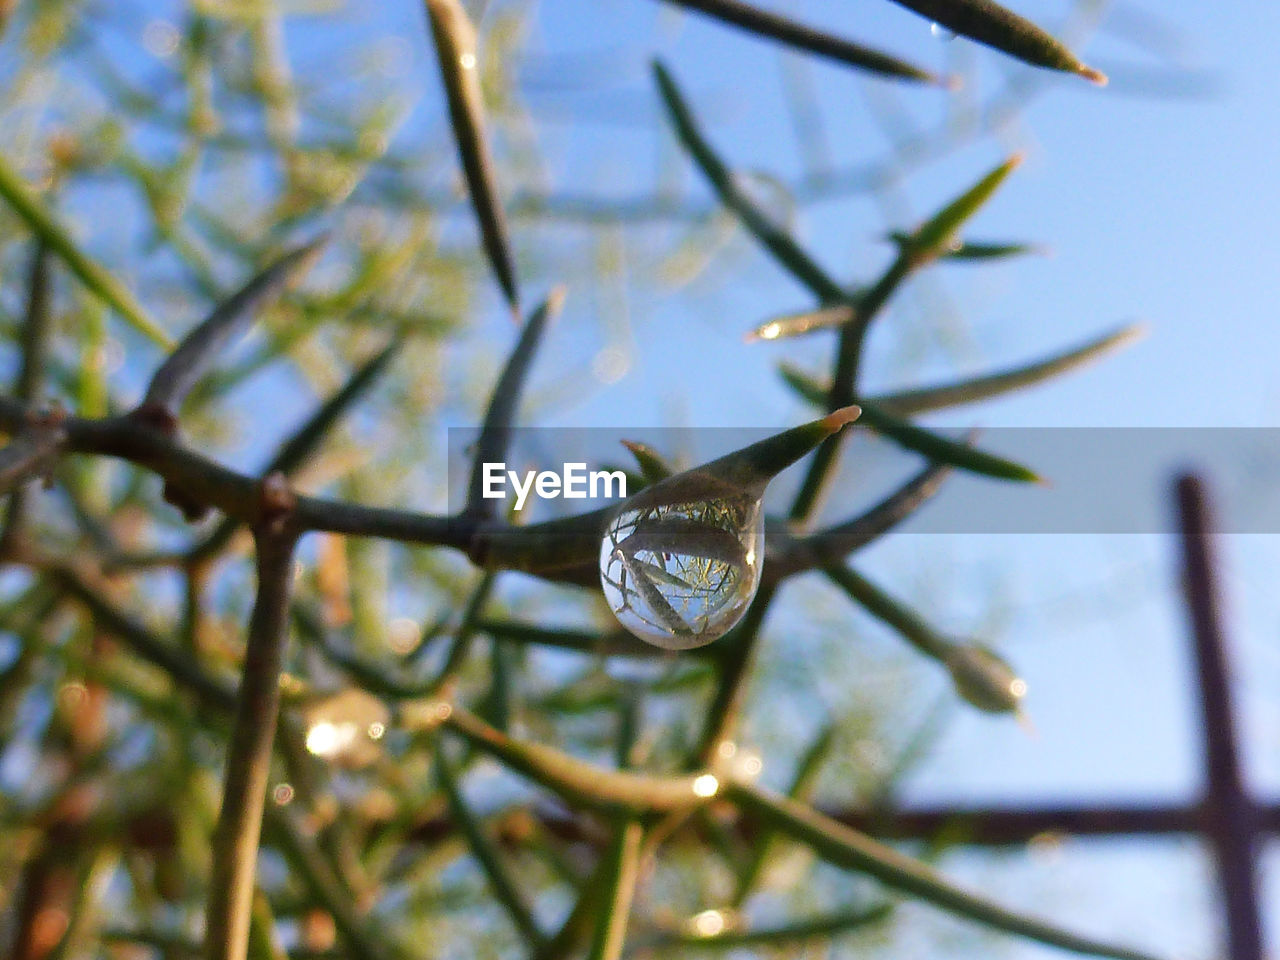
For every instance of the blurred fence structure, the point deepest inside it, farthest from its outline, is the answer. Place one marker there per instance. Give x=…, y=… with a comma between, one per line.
x=1226, y=817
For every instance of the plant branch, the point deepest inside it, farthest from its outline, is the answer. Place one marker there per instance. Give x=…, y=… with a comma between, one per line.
x=249, y=753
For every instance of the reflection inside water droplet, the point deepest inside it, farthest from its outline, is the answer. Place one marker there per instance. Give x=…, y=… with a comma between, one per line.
x=680, y=573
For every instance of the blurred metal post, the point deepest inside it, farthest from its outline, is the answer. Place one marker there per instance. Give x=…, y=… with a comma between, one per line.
x=1232, y=821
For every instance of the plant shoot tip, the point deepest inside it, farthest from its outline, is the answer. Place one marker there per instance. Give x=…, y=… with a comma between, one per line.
x=838, y=418
x=1096, y=77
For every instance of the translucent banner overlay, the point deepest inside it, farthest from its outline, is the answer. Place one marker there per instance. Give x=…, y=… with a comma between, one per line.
x=1098, y=480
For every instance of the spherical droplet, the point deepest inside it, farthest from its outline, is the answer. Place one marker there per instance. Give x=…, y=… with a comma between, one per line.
x=680, y=573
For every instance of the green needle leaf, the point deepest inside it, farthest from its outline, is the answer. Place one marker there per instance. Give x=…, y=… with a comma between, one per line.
x=495, y=433
x=972, y=252
x=934, y=238
x=773, y=27
x=774, y=238
x=652, y=464
x=230, y=319
x=303, y=443
x=993, y=25
x=940, y=448
x=500, y=878
x=581, y=782
x=908, y=402
x=888, y=610
x=932, y=445
x=102, y=284
x=818, y=930
x=455, y=40
x=299, y=447
x=841, y=846
x=620, y=874
x=797, y=324
x=981, y=677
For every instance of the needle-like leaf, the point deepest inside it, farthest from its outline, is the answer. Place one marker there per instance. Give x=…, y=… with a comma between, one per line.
x=99, y=281
x=652, y=464
x=794, y=934
x=774, y=27
x=993, y=25
x=500, y=878
x=296, y=450
x=905, y=621
x=981, y=677
x=231, y=318
x=834, y=543
x=932, y=445
x=971, y=251
x=455, y=41
x=944, y=450
x=581, y=782
x=841, y=846
x=495, y=433
x=924, y=399
x=774, y=238
x=935, y=237
x=620, y=874
x=36, y=327
x=806, y=321
x=749, y=469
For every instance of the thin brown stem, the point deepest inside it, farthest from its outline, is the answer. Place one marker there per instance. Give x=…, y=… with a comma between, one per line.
x=249, y=755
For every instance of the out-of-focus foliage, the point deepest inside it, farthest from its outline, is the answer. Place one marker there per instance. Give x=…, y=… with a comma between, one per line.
x=156, y=156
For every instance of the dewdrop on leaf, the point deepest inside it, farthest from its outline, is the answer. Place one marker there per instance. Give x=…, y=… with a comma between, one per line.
x=680, y=561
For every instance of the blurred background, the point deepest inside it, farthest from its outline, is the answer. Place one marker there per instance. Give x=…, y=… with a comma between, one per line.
x=183, y=139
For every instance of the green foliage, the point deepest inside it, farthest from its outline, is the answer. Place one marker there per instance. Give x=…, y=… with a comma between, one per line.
x=276, y=742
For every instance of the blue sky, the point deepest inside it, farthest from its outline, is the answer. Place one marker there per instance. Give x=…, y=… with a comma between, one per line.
x=1160, y=210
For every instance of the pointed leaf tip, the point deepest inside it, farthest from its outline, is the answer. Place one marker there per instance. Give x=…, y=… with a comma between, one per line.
x=838, y=418
x=1096, y=77
x=556, y=298
x=991, y=24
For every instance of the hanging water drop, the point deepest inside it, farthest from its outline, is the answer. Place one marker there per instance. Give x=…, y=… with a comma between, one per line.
x=941, y=33
x=680, y=561
x=679, y=571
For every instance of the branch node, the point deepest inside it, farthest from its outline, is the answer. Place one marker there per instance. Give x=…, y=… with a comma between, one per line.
x=157, y=417
x=276, y=502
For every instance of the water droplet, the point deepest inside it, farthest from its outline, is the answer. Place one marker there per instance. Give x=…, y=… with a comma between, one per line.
x=678, y=569
x=941, y=32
